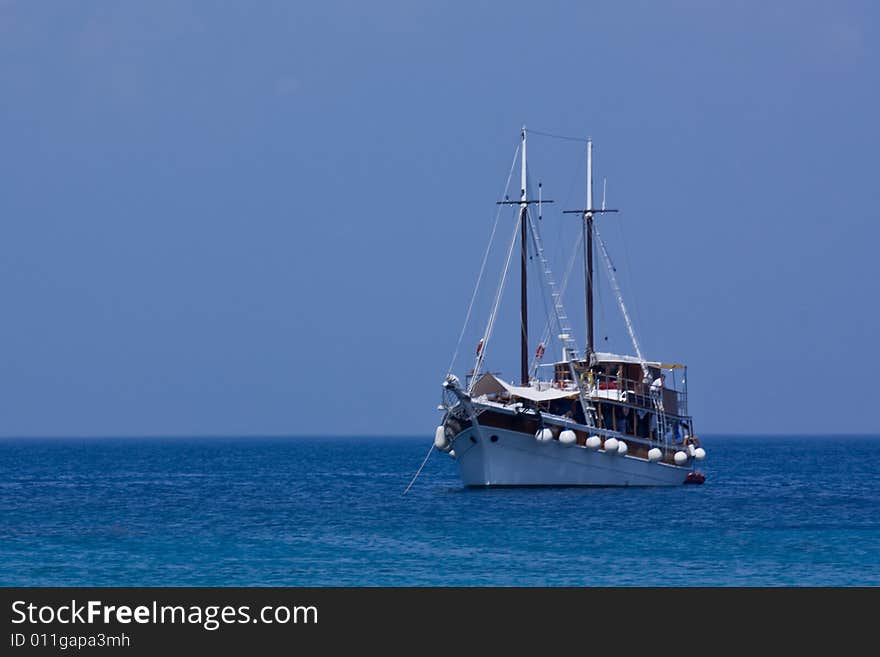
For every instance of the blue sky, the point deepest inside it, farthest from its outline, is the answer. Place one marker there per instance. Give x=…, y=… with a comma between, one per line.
x=267, y=218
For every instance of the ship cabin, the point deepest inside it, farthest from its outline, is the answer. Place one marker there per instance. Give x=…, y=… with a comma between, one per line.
x=652, y=407
x=628, y=400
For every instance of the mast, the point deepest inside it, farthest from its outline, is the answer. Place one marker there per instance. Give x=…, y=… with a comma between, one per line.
x=587, y=214
x=523, y=204
x=588, y=247
x=524, y=301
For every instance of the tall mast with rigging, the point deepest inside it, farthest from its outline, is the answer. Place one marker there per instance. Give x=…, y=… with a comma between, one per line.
x=523, y=293
x=523, y=204
x=588, y=247
x=587, y=214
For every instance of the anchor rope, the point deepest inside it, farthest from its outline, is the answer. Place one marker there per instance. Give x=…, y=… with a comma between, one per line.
x=419, y=471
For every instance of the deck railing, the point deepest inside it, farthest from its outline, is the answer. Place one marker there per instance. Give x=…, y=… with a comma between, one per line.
x=637, y=393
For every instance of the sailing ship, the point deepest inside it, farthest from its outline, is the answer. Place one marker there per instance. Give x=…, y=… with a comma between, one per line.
x=597, y=418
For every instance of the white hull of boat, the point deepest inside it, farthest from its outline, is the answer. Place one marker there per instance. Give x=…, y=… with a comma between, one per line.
x=518, y=459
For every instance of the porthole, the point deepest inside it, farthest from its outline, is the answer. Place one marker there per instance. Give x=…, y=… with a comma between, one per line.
x=494, y=439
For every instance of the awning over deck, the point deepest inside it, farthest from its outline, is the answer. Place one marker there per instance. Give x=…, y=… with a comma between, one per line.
x=490, y=384
x=603, y=357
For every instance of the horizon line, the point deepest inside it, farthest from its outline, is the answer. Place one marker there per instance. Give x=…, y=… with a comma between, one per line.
x=402, y=436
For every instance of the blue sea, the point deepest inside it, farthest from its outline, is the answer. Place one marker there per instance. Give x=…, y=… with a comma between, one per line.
x=329, y=511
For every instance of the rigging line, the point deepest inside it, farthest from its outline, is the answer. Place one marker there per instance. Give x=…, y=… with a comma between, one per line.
x=532, y=131
x=559, y=311
x=533, y=251
x=559, y=235
x=529, y=258
x=560, y=224
x=536, y=265
x=601, y=304
x=542, y=287
x=578, y=172
x=494, y=314
x=629, y=277
x=545, y=335
x=483, y=265
x=614, y=286
x=419, y=471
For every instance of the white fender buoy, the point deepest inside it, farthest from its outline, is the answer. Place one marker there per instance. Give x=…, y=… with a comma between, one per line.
x=611, y=446
x=568, y=437
x=691, y=450
x=594, y=442
x=680, y=458
x=440, y=441
x=699, y=453
x=655, y=454
x=544, y=435
x=622, y=448
x=451, y=453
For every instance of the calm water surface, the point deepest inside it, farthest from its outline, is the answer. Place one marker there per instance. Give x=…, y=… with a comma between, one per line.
x=329, y=511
